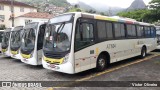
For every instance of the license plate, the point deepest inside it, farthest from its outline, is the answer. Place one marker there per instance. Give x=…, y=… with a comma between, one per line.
x=52, y=66
x=13, y=55
x=24, y=59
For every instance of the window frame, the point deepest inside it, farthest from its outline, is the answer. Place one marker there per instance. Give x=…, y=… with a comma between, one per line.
x=2, y=16
x=2, y=7
x=101, y=39
x=131, y=37
x=21, y=9
x=88, y=21
x=121, y=37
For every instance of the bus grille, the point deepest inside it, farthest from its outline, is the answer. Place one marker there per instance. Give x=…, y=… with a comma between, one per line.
x=53, y=55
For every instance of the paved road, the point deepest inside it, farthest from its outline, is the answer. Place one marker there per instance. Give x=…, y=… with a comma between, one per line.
x=133, y=69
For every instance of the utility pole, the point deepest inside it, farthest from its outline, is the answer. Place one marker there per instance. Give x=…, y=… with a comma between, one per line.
x=12, y=12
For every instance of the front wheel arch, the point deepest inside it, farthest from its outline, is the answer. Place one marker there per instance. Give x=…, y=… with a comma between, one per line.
x=105, y=55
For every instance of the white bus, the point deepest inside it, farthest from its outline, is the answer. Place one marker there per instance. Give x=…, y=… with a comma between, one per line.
x=75, y=42
x=16, y=38
x=6, y=42
x=1, y=36
x=158, y=36
x=32, y=43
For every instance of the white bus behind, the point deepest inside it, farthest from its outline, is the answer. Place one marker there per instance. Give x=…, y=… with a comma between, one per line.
x=15, y=41
x=32, y=43
x=6, y=42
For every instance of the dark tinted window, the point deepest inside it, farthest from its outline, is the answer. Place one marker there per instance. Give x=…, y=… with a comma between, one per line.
x=41, y=36
x=109, y=29
x=84, y=35
x=119, y=30
x=147, y=31
x=140, y=31
x=102, y=34
x=1, y=36
x=153, y=32
x=131, y=31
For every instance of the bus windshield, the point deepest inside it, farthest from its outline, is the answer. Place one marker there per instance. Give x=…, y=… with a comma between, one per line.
x=58, y=37
x=1, y=35
x=16, y=37
x=5, y=40
x=29, y=35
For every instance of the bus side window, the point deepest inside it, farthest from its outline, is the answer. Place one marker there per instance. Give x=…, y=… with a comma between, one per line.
x=119, y=30
x=131, y=31
x=84, y=36
x=147, y=32
x=153, y=32
x=41, y=37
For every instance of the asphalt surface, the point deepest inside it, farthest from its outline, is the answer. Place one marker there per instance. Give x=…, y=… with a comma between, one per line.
x=147, y=70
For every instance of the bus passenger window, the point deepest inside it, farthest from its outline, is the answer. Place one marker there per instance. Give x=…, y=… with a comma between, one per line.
x=102, y=34
x=119, y=30
x=131, y=31
x=109, y=30
x=140, y=31
x=153, y=32
x=147, y=32
x=84, y=36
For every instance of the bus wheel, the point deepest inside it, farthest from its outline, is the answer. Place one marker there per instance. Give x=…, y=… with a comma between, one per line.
x=101, y=63
x=143, y=52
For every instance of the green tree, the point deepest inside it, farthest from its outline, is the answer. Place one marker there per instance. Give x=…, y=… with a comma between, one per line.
x=76, y=8
x=91, y=11
x=139, y=15
x=155, y=9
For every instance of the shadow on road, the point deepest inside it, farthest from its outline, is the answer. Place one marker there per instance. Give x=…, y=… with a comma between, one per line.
x=157, y=50
x=33, y=67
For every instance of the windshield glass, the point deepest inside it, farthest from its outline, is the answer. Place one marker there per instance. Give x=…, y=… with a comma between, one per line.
x=5, y=39
x=1, y=36
x=16, y=37
x=29, y=35
x=58, y=36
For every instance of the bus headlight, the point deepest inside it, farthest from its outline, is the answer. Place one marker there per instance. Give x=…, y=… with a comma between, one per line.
x=65, y=60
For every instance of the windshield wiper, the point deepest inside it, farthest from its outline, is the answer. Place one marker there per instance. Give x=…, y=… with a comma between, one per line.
x=60, y=28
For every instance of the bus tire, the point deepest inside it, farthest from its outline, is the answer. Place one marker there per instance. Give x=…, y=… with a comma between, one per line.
x=143, y=52
x=101, y=63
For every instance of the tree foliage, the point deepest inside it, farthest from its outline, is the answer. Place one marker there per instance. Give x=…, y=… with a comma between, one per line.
x=137, y=14
x=75, y=9
x=152, y=14
x=60, y=3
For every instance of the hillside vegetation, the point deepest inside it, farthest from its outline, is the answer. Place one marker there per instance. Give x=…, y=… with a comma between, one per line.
x=60, y=3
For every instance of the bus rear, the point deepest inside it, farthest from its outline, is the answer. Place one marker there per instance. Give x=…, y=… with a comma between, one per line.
x=32, y=42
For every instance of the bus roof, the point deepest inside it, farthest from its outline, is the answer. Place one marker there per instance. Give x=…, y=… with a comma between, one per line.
x=8, y=29
x=17, y=27
x=110, y=18
x=1, y=30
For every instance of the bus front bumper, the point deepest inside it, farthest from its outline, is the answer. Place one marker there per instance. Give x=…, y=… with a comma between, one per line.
x=30, y=61
x=17, y=56
x=64, y=68
x=6, y=54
